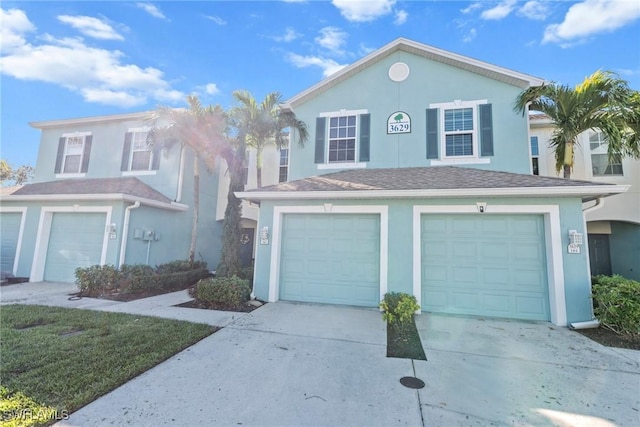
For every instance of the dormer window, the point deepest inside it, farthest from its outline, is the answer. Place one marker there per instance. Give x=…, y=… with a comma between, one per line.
x=74, y=150
x=138, y=156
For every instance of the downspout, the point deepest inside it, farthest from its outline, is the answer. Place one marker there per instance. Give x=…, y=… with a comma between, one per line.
x=180, y=176
x=125, y=231
x=595, y=322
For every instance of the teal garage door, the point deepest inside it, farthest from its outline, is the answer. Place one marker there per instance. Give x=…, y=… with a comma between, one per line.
x=331, y=258
x=75, y=241
x=488, y=265
x=9, y=232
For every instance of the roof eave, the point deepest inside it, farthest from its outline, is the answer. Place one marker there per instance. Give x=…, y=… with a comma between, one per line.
x=89, y=120
x=173, y=206
x=587, y=193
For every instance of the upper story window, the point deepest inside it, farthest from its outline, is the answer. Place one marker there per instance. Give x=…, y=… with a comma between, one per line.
x=535, y=153
x=342, y=139
x=601, y=165
x=284, y=165
x=73, y=154
x=459, y=132
x=138, y=156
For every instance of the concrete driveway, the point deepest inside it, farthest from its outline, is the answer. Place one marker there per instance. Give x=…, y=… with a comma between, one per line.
x=299, y=364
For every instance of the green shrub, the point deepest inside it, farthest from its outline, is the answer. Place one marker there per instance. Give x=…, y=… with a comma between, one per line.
x=247, y=274
x=18, y=409
x=138, y=278
x=180, y=266
x=181, y=279
x=97, y=280
x=398, y=308
x=617, y=303
x=228, y=292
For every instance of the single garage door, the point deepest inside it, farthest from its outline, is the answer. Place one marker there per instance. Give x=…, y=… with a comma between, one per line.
x=331, y=258
x=489, y=265
x=75, y=241
x=9, y=232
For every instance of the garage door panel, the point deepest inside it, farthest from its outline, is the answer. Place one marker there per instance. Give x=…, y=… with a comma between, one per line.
x=9, y=233
x=337, y=259
x=491, y=265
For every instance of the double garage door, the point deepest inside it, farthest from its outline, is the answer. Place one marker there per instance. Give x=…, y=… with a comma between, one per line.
x=75, y=240
x=489, y=265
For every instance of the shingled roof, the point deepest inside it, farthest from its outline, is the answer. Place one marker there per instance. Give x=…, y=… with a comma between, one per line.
x=130, y=186
x=438, y=179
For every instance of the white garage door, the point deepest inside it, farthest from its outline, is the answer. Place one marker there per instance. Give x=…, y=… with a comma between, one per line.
x=9, y=233
x=489, y=265
x=331, y=258
x=75, y=241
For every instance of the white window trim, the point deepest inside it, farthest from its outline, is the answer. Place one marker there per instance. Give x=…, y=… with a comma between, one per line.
x=130, y=172
x=23, y=217
x=343, y=165
x=44, y=232
x=326, y=208
x=553, y=239
x=445, y=160
x=71, y=175
x=139, y=173
x=66, y=137
x=280, y=165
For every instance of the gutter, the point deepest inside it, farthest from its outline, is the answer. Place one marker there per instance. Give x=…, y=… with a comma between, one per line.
x=599, y=204
x=125, y=231
x=96, y=197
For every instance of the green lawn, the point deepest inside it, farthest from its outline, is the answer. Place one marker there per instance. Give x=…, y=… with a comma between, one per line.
x=65, y=358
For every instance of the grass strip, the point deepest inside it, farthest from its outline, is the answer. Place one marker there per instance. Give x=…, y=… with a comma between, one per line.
x=64, y=358
x=403, y=341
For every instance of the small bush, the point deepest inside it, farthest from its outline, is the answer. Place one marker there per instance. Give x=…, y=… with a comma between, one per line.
x=181, y=279
x=617, y=304
x=230, y=292
x=180, y=266
x=138, y=278
x=247, y=274
x=398, y=308
x=97, y=279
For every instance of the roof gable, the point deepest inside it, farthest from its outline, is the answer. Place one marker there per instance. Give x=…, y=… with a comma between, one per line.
x=401, y=44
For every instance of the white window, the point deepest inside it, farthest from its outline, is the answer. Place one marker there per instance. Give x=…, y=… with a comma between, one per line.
x=344, y=141
x=284, y=165
x=459, y=132
x=601, y=165
x=535, y=153
x=141, y=154
x=72, y=159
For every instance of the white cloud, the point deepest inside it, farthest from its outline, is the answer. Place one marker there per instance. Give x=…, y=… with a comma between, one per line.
x=502, y=10
x=216, y=19
x=92, y=27
x=365, y=50
x=470, y=35
x=151, y=10
x=401, y=17
x=332, y=39
x=534, y=10
x=328, y=66
x=99, y=75
x=14, y=24
x=289, y=35
x=471, y=8
x=212, y=89
x=592, y=17
x=363, y=10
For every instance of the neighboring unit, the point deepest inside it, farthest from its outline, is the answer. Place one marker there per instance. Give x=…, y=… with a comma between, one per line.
x=102, y=195
x=418, y=179
x=613, y=224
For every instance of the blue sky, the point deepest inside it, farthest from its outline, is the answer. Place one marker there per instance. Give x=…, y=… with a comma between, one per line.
x=75, y=59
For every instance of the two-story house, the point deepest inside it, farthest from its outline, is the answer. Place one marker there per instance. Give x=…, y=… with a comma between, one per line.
x=418, y=179
x=102, y=195
x=613, y=224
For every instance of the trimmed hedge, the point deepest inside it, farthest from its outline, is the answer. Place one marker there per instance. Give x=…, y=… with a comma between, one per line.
x=617, y=304
x=98, y=280
x=222, y=292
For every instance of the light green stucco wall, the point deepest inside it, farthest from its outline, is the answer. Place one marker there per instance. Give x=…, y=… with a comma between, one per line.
x=400, y=256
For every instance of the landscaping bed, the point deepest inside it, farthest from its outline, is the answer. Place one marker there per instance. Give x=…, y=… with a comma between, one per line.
x=59, y=359
x=609, y=338
x=404, y=342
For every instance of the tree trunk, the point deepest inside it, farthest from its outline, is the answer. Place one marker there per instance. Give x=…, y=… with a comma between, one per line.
x=568, y=159
x=259, y=166
x=567, y=171
x=196, y=208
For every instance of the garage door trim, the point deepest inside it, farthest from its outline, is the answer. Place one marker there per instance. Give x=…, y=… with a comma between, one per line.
x=44, y=232
x=327, y=208
x=23, y=216
x=555, y=271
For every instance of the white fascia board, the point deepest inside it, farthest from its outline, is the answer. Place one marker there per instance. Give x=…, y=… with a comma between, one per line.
x=173, y=206
x=90, y=120
x=591, y=190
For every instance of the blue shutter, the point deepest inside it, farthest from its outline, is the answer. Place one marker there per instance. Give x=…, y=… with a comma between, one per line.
x=486, y=130
x=157, y=151
x=321, y=123
x=85, y=155
x=365, y=137
x=59, y=156
x=432, y=133
x=126, y=152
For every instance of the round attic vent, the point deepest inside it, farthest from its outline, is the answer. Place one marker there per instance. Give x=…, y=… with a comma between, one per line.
x=399, y=72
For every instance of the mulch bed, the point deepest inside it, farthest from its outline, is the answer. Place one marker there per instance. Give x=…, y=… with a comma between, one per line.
x=404, y=342
x=609, y=338
x=247, y=308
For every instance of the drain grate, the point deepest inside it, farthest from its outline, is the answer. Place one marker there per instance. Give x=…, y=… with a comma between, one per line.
x=412, y=382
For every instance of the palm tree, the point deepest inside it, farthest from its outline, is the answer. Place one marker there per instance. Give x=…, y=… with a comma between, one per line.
x=602, y=101
x=200, y=128
x=264, y=122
